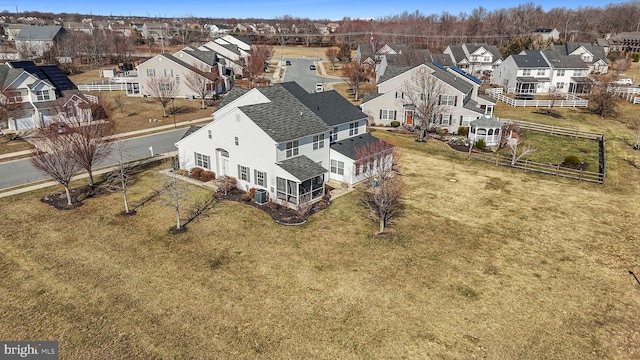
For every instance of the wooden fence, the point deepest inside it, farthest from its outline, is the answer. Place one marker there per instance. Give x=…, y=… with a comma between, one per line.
x=569, y=101
x=555, y=130
x=541, y=168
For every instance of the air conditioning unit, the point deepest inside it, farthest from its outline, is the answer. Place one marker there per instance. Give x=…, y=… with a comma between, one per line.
x=261, y=196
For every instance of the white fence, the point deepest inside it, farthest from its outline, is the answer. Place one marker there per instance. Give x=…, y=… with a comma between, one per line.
x=570, y=100
x=626, y=92
x=102, y=87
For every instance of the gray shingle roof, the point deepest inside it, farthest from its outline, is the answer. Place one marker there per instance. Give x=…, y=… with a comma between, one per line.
x=232, y=95
x=347, y=147
x=302, y=168
x=486, y=122
x=568, y=48
x=442, y=59
x=530, y=59
x=38, y=32
x=190, y=130
x=473, y=106
x=370, y=96
x=561, y=61
x=208, y=57
x=457, y=52
x=393, y=71
x=456, y=82
x=330, y=106
x=285, y=117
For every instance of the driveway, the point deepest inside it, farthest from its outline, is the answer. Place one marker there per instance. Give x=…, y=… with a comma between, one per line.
x=299, y=72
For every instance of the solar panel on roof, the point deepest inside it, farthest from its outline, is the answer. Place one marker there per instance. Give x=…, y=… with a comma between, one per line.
x=461, y=72
x=439, y=66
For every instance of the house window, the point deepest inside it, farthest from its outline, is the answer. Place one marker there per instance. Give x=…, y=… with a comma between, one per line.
x=337, y=167
x=318, y=141
x=560, y=85
x=243, y=173
x=236, y=140
x=560, y=72
x=387, y=114
x=526, y=72
x=333, y=135
x=151, y=72
x=177, y=79
x=202, y=161
x=210, y=134
x=487, y=58
x=165, y=86
x=399, y=95
x=260, y=178
x=541, y=72
x=168, y=73
x=449, y=100
x=292, y=148
x=353, y=128
x=42, y=95
x=445, y=119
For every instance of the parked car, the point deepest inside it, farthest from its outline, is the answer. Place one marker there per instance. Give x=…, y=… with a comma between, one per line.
x=623, y=82
x=287, y=62
x=312, y=67
x=319, y=87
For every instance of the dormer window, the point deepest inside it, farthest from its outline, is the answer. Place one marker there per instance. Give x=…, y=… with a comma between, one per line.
x=43, y=95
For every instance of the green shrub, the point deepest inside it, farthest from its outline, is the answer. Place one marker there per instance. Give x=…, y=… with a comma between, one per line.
x=636, y=57
x=481, y=144
x=463, y=131
x=571, y=160
x=441, y=132
x=395, y=123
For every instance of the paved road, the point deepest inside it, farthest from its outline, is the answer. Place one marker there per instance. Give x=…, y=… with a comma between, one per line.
x=20, y=172
x=299, y=72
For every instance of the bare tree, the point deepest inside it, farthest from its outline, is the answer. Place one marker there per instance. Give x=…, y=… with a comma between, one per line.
x=162, y=90
x=513, y=144
x=202, y=80
x=52, y=157
x=355, y=74
x=507, y=132
x=332, y=55
x=253, y=68
x=554, y=97
x=119, y=101
x=424, y=94
x=176, y=191
x=87, y=139
x=602, y=101
x=263, y=52
x=377, y=163
x=10, y=101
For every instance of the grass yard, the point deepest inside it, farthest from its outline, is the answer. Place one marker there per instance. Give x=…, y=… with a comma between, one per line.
x=498, y=264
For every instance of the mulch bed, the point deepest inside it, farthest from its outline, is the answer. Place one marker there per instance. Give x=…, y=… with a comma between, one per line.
x=59, y=200
x=280, y=214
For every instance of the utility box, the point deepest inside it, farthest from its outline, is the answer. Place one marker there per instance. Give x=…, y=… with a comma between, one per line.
x=261, y=196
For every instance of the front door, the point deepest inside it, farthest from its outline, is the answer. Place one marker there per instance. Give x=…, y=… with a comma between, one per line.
x=223, y=164
x=408, y=117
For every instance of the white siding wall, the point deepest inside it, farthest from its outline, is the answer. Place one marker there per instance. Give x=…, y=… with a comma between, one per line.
x=306, y=148
x=505, y=74
x=160, y=64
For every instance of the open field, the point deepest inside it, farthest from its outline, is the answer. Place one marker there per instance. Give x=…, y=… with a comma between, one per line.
x=498, y=264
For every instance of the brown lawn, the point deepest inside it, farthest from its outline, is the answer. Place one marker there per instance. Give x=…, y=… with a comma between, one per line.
x=497, y=264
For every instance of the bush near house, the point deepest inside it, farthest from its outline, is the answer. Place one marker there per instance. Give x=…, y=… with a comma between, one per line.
x=481, y=144
x=395, y=123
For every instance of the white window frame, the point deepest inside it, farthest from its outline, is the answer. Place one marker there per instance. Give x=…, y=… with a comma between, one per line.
x=202, y=160
x=43, y=95
x=541, y=72
x=318, y=141
x=168, y=73
x=448, y=100
x=292, y=148
x=560, y=85
x=353, y=128
x=151, y=72
x=177, y=79
x=260, y=178
x=337, y=167
x=243, y=173
x=386, y=114
x=560, y=72
x=526, y=72
x=333, y=135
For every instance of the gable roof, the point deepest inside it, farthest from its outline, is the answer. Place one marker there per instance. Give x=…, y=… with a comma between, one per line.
x=530, y=59
x=392, y=71
x=206, y=56
x=596, y=50
x=560, y=61
x=442, y=59
x=285, y=117
x=49, y=73
x=330, y=106
x=38, y=32
x=457, y=53
x=454, y=81
x=190, y=130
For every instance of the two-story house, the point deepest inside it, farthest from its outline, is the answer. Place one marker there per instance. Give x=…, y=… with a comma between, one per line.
x=33, y=41
x=594, y=56
x=33, y=95
x=181, y=66
x=474, y=58
x=231, y=52
x=524, y=73
x=277, y=138
x=569, y=74
x=453, y=95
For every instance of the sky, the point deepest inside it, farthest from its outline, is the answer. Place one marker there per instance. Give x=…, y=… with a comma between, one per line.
x=271, y=9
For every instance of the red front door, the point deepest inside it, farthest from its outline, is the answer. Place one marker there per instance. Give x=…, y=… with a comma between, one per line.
x=408, y=117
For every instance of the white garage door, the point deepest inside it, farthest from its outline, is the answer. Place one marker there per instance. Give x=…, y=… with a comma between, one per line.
x=21, y=123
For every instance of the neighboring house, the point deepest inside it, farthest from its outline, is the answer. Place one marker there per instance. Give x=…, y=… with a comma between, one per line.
x=627, y=42
x=366, y=53
x=11, y=30
x=525, y=73
x=33, y=41
x=179, y=67
x=243, y=43
x=546, y=34
x=155, y=31
x=474, y=58
x=594, y=56
x=78, y=26
x=278, y=138
x=230, y=51
x=459, y=100
x=536, y=71
x=37, y=94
